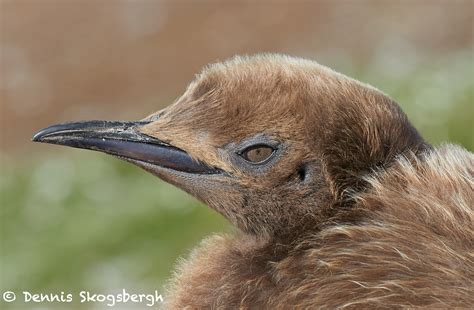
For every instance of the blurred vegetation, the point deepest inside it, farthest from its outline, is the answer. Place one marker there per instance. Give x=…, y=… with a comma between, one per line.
x=91, y=221
x=77, y=219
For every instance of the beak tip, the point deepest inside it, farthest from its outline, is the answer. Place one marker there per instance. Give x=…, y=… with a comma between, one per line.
x=48, y=132
x=36, y=137
x=39, y=136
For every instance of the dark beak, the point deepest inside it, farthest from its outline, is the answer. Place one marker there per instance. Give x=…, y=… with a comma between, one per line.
x=122, y=139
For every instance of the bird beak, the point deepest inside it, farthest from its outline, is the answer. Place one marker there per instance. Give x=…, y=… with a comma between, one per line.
x=124, y=140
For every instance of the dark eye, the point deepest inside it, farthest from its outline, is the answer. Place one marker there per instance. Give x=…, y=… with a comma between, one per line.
x=257, y=154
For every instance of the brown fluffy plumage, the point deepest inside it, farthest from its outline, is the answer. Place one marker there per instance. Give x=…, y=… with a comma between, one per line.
x=412, y=247
x=341, y=205
x=388, y=223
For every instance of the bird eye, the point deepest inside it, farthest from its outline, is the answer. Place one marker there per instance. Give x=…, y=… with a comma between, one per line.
x=257, y=154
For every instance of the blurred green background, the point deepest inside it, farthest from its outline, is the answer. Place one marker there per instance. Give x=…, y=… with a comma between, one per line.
x=73, y=220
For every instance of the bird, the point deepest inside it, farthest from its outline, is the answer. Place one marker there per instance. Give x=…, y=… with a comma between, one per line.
x=337, y=200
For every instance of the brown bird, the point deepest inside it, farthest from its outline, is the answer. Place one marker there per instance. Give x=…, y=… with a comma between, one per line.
x=338, y=200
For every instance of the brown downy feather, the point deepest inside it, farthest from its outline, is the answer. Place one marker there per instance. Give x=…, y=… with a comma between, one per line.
x=337, y=200
x=414, y=247
x=357, y=211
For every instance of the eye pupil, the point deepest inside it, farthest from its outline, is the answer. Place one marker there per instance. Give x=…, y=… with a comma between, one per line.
x=258, y=154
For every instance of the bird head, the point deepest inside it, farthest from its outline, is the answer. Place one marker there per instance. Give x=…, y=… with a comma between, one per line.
x=275, y=144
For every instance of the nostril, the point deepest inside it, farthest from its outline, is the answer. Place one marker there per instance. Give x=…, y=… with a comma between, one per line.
x=302, y=173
